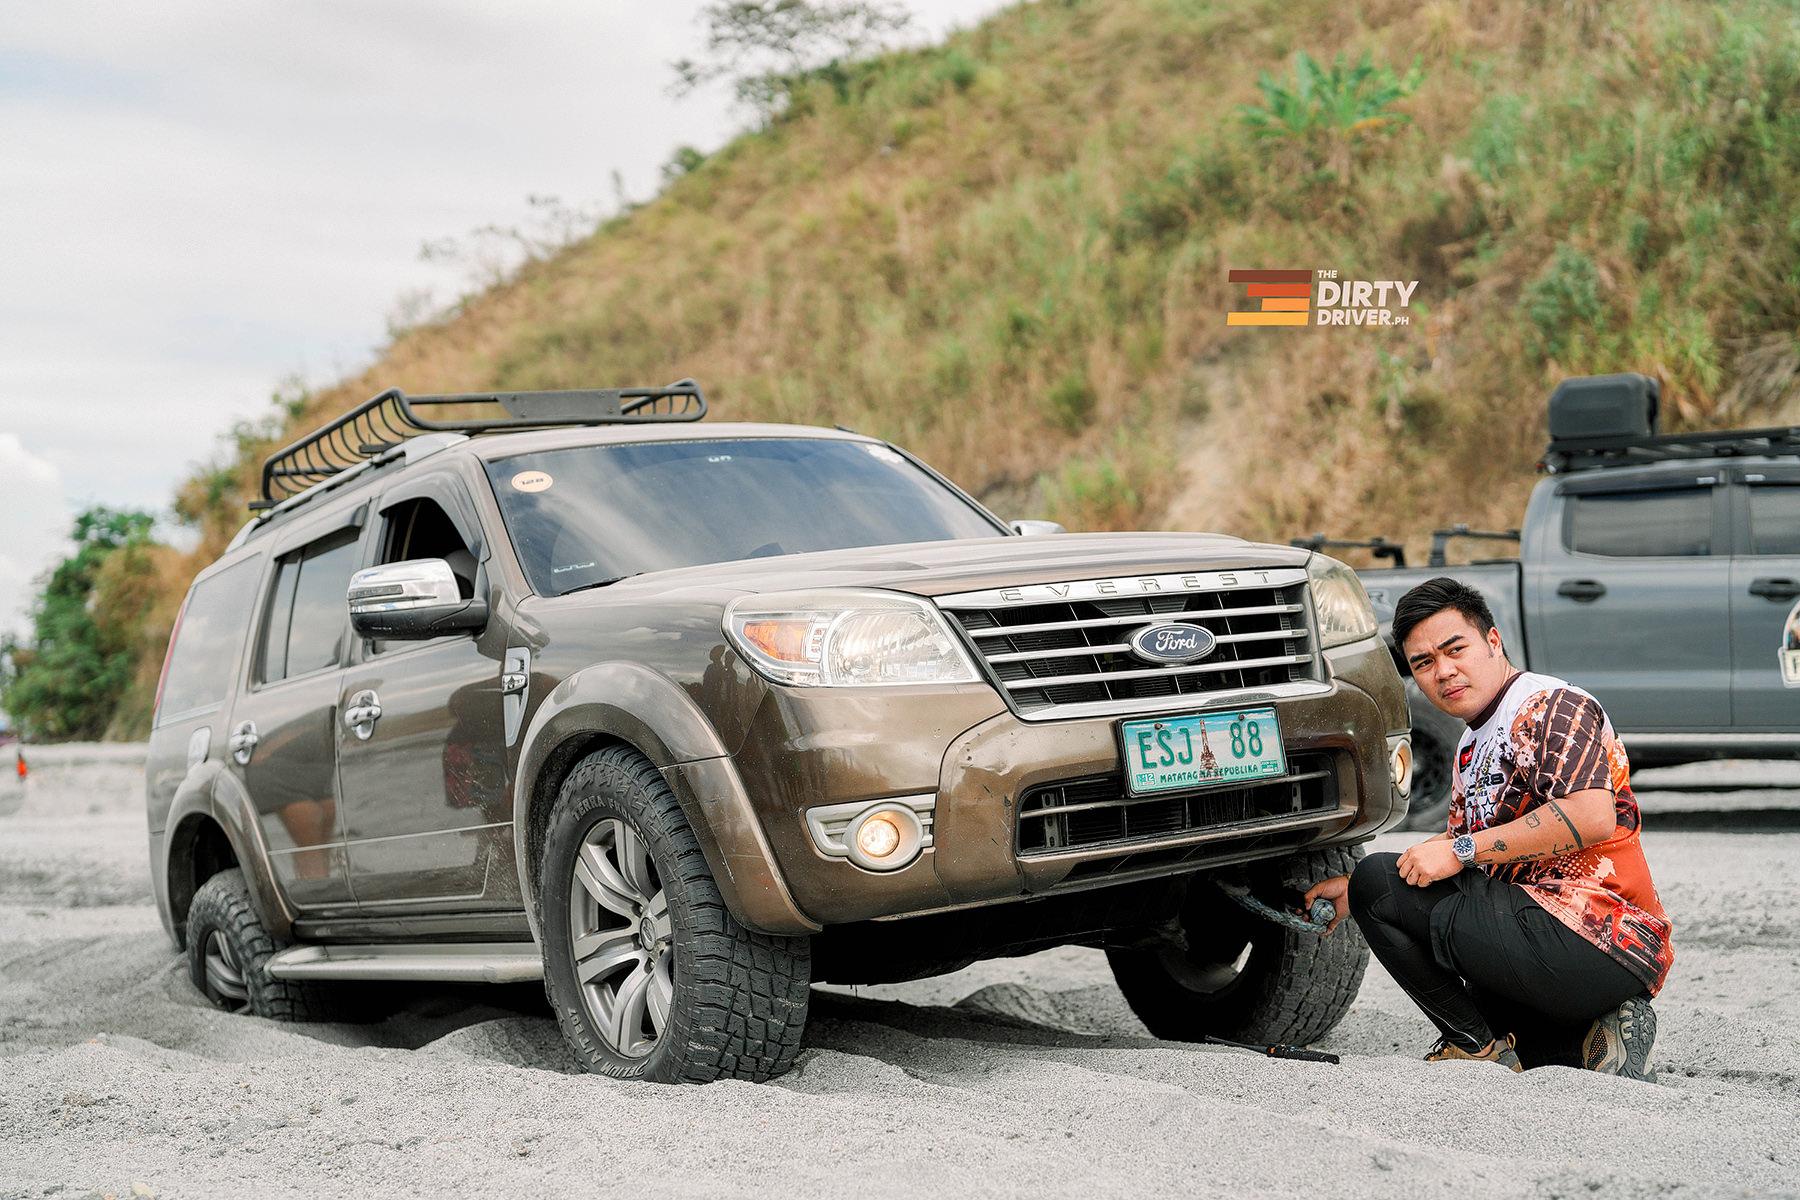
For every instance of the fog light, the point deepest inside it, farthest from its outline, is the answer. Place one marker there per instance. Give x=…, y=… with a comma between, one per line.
x=1400, y=765
x=878, y=837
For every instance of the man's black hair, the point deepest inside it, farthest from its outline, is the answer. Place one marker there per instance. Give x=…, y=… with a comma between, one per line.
x=1434, y=596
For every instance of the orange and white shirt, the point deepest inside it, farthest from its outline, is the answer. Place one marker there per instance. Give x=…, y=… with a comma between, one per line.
x=1540, y=740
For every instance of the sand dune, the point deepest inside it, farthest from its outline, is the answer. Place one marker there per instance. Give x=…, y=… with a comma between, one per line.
x=1025, y=1077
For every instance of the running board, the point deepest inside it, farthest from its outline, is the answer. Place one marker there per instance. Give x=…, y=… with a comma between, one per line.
x=456, y=962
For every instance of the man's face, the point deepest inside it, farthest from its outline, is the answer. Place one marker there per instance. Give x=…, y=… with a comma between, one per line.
x=1458, y=670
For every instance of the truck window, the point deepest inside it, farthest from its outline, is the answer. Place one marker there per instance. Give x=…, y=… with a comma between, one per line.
x=307, y=616
x=1677, y=523
x=1774, y=519
x=422, y=529
x=207, y=642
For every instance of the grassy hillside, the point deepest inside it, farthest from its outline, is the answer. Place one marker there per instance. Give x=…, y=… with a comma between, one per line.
x=1010, y=253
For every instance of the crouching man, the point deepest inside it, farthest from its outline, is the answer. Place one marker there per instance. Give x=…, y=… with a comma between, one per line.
x=1549, y=950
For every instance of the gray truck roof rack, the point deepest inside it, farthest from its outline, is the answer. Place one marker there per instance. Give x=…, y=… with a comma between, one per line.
x=1588, y=454
x=387, y=420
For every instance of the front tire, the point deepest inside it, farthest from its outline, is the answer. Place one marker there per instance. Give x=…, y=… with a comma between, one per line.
x=1245, y=978
x=228, y=953
x=649, y=973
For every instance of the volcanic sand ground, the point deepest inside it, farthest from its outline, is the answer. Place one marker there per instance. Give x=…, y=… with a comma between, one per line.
x=1026, y=1077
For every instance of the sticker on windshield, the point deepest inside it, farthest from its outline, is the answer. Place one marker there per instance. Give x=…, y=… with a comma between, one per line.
x=883, y=454
x=531, y=481
x=1790, y=649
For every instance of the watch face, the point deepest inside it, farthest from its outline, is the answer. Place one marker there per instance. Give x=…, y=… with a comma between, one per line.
x=1464, y=849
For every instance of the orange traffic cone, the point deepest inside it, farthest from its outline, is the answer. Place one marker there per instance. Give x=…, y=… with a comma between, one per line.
x=22, y=769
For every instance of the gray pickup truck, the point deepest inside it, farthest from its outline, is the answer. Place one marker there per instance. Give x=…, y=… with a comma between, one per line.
x=1661, y=572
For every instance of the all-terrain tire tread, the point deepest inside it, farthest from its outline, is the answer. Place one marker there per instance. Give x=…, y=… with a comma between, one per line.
x=748, y=991
x=223, y=903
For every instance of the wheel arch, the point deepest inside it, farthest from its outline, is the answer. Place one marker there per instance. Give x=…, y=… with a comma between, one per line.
x=626, y=704
x=211, y=828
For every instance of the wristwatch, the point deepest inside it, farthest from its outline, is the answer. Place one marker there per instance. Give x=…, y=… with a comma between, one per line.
x=1464, y=849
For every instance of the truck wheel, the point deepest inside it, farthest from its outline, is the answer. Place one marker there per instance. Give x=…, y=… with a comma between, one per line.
x=1429, y=809
x=228, y=952
x=650, y=975
x=1245, y=978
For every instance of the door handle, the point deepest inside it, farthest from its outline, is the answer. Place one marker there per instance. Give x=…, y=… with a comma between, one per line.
x=243, y=741
x=1775, y=589
x=1582, y=590
x=361, y=714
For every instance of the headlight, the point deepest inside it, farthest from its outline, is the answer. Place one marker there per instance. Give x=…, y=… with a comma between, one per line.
x=846, y=638
x=1345, y=614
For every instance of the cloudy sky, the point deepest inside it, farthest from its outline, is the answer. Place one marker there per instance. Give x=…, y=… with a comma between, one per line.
x=200, y=199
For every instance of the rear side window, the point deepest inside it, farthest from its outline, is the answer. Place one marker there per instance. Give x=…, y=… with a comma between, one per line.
x=1666, y=524
x=206, y=645
x=1774, y=519
x=308, y=621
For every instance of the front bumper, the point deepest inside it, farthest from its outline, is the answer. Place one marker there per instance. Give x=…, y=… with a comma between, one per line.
x=808, y=750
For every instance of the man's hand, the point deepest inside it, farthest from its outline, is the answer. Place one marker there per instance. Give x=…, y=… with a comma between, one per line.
x=1336, y=890
x=1428, y=862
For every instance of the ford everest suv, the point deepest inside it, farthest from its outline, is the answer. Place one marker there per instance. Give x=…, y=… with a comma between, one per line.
x=681, y=719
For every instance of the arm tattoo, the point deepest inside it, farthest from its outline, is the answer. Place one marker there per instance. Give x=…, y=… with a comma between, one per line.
x=1531, y=819
x=1579, y=844
x=1499, y=847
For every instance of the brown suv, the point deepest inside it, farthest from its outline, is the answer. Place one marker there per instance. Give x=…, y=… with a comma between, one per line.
x=681, y=719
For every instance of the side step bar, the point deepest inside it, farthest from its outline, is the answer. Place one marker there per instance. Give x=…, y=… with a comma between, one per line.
x=457, y=962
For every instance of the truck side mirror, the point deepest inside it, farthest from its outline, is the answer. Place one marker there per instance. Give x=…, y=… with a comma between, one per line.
x=411, y=601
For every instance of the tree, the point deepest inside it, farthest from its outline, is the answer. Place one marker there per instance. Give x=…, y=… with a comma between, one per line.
x=66, y=681
x=1327, y=112
x=765, y=47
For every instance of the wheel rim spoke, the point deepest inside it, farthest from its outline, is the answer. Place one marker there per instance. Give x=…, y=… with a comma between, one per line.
x=658, y=912
x=604, y=883
x=634, y=860
x=624, y=1016
x=224, y=978
x=598, y=955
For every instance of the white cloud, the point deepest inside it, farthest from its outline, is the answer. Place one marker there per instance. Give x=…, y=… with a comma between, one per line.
x=36, y=523
x=200, y=198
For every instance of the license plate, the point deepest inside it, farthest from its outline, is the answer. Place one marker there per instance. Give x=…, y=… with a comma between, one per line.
x=1184, y=752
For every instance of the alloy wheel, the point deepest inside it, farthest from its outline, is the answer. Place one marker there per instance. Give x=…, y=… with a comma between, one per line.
x=623, y=941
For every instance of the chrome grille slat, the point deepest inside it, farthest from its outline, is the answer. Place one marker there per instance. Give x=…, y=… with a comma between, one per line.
x=1097, y=622
x=1157, y=672
x=1057, y=649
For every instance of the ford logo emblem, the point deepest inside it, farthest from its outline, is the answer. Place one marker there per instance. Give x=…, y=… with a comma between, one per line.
x=1173, y=643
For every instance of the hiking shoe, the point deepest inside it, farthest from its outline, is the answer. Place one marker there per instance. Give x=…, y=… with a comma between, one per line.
x=1619, y=1042
x=1500, y=1052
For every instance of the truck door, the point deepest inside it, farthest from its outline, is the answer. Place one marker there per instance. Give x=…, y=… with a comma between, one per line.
x=1765, y=600
x=280, y=739
x=1629, y=589
x=429, y=818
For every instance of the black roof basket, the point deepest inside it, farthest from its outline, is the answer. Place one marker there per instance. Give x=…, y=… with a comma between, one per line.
x=1611, y=421
x=384, y=422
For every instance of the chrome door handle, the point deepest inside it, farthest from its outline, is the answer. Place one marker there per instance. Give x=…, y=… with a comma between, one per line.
x=1581, y=590
x=361, y=714
x=1775, y=589
x=243, y=741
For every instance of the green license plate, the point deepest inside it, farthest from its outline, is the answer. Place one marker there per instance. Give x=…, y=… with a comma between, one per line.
x=1185, y=752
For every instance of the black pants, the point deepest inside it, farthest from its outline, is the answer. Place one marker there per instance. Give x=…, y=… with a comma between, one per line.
x=1482, y=958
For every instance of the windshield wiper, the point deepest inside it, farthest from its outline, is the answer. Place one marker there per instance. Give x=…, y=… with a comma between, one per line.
x=599, y=583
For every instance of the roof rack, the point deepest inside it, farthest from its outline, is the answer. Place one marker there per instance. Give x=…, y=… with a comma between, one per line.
x=383, y=422
x=1587, y=454
x=1441, y=539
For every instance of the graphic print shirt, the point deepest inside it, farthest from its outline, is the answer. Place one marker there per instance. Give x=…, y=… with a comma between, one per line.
x=1542, y=740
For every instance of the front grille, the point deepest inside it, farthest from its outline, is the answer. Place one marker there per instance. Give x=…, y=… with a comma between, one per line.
x=1050, y=646
x=1081, y=814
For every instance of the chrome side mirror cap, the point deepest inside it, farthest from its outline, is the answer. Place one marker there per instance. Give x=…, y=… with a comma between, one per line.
x=411, y=601
x=1036, y=528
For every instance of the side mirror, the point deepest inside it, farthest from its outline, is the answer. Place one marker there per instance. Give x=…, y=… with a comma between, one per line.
x=1036, y=528
x=411, y=601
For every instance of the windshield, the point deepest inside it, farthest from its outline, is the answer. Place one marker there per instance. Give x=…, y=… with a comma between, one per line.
x=595, y=514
